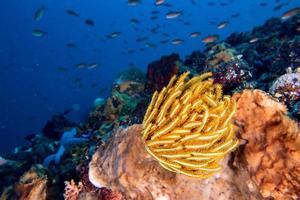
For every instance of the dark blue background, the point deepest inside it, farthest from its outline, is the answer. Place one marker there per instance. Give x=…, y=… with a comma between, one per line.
x=32, y=88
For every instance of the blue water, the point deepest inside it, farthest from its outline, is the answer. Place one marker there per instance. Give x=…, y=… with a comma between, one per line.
x=31, y=87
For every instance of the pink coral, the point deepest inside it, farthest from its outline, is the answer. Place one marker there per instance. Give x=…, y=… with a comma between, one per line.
x=72, y=190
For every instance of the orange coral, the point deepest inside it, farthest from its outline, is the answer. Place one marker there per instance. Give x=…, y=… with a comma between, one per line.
x=272, y=150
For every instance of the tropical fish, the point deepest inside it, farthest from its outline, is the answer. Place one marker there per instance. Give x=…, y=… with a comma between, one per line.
x=38, y=33
x=133, y=2
x=235, y=15
x=150, y=45
x=81, y=65
x=72, y=13
x=61, y=69
x=290, y=13
x=92, y=66
x=71, y=45
x=195, y=34
x=177, y=41
x=113, y=34
x=39, y=13
x=134, y=21
x=253, y=40
x=89, y=22
x=173, y=14
x=222, y=25
x=263, y=4
x=159, y=2
x=210, y=39
x=164, y=41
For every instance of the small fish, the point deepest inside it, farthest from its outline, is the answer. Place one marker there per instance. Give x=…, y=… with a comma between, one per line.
x=39, y=13
x=142, y=39
x=150, y=45
x=81, y=65
x=173, y=14
x=159, y=2
x=155, y=12
x=61, y=69
x=235, y=15
x=93, y=85
x=278, y=7
x=71, y=45
x=253, y=40
x=72, y=13
x=113, y=35
x=38, y=33
x=263, y=4
x=89, y=22
x=92, y=66
x=222, y=25
x=187, y=23
x=290, y=13
x=223, y=4
x=164, y=41
x=211, y=3
x=177, y=41
x=210, y=39
x=134, y=21
x=133, y=2
x=195, y=34
x=153, y=17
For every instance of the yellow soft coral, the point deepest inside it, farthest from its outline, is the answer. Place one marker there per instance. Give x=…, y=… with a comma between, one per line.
x=187, y=126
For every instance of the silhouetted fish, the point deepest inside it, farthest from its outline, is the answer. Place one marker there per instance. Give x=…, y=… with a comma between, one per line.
x=89, y=22
x=72, y=13
x=39, y=13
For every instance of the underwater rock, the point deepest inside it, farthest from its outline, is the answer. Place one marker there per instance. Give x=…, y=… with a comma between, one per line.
x=124, y=165
x=160, y=72
x=272, y=150
x=55, y=127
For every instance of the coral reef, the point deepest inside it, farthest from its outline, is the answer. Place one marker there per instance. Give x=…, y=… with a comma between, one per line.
x=195, y=62
x=72, y=190
x=56, y=126
x=233, y=74
x=264, y=166
x=187, y=126
x=272, y=150
x=124, y=166
x=32, y=185
x=67, y=139
x=160, y=72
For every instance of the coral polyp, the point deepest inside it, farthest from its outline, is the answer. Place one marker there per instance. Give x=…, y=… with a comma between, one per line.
x=187, y=126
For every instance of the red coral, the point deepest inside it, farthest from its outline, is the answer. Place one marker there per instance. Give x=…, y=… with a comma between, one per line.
x=161, y=71
x=107, y=194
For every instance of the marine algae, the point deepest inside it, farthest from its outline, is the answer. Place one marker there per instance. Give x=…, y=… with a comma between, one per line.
x=187, y=126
